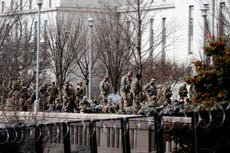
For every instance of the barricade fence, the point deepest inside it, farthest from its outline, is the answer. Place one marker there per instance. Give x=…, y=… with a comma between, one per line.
x=154, y=132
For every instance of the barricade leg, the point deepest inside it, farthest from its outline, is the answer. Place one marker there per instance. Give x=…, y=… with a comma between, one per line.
x=66, y=137
x=125, y=135
x=159, y=134
x=38, y=139
x=93, y=137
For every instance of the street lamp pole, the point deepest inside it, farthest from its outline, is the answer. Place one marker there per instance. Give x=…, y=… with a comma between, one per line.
x=36, y=103
x=91, y=22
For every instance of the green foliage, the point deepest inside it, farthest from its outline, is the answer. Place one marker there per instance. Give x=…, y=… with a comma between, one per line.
x=212, y=139
x=211, y=83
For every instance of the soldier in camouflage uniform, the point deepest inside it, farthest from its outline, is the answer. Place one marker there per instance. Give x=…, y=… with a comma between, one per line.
x=135, y=91
x=192, y=92
x=104, y=88
x=23, y=96
x=69, y=98
x=150, y=90
x=80, y=92
x=168, y=94
x=31, y=90
x=84, y=105
x=183, y=92
x=3, y=94
x=125, y=92
x=135, y=88
x=53, y=93
x=57, y=106
x=110, y=106
x=14, y=94
x=44, y=96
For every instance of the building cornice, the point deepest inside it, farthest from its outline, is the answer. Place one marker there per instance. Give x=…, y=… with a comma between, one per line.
x=56, y=9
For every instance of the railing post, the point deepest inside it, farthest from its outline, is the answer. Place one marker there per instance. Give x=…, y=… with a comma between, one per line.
x=66, y=138
x=93, y=137
x=125, y=135
x=38, y=139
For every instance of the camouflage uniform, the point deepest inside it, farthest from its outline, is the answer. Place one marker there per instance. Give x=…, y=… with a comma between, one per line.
x=57, y=106
x=84, y=106
x=150, y=90
x=52, y=92
x=69, y=98
x=44, y=96
x=192, y=92
x=125, y=92
x=135, y=88
x=80, y=93
x=32, y=95
x=15, y=94
x=3, y=94
x=183, y=92
x=104, y=88
x=168, y=94
x=110, y=106
x=154, y=102
x=23, y=97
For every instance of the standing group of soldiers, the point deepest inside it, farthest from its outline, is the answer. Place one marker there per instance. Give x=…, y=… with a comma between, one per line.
x=130, y=91
x=21, y=96
x=132, y=94
x=131, y=98
x=17, y=94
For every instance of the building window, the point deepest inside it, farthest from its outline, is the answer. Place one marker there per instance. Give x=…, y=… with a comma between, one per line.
x=190, y=28
x=45, y=29
x=11, y=5
x=128, y=33
x=30, y=4
x=163, y=39
x=21, y=5
x=206, y=6
x=50, y=3
x=206, y=26
x=16, y=30
x=45, y=26
x=35, y=30
x=221, y=20
x=151, y=32
x=3, y=6
x=26, y=29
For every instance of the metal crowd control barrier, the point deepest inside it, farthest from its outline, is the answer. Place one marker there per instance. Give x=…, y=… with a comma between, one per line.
x=63, y=130
x=102, y=133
